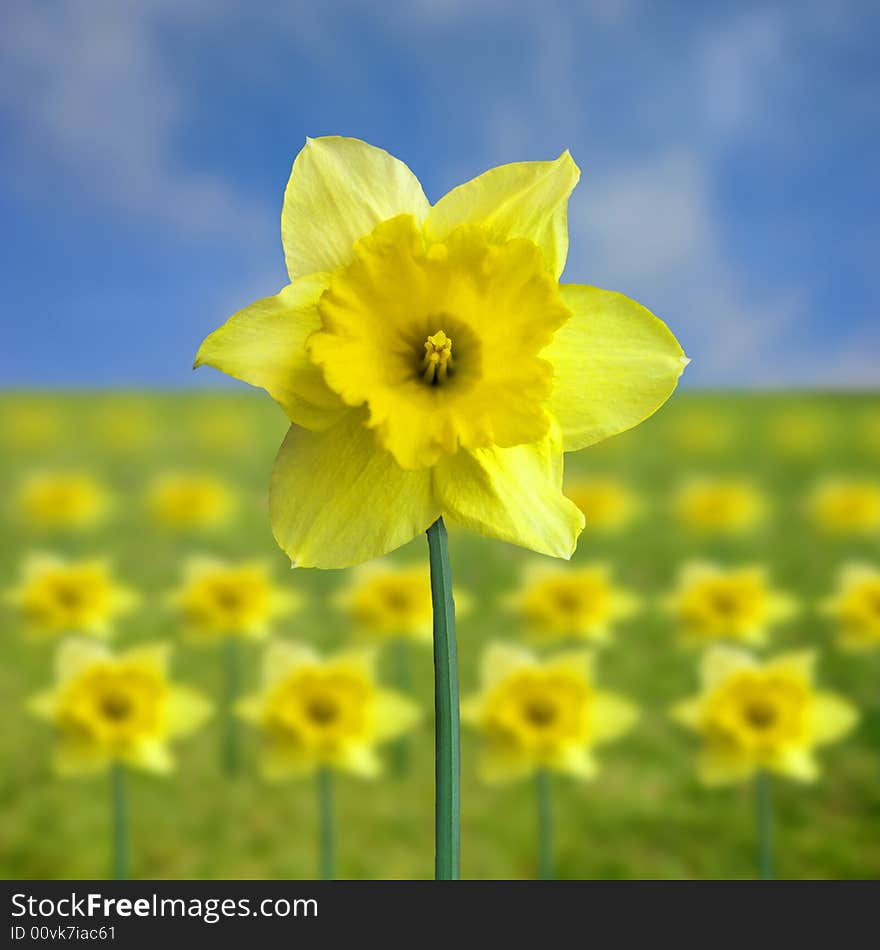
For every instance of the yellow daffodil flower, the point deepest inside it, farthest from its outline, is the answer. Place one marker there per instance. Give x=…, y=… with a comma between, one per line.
x=846, y=506
x=64, y=500
x=331, y=712
x=573, y=603
x=388, y=602
x=607, y=504
x=700, y=432
x=58, y=596
x=798, y=433
x=117, y=709
x=187, y=501
x=542, y=714
x=125, y=426
x=855, y=606
x=714, y=603
x=28, y=426
x=219, y=599
x=430, y=362
x=719, y=506
x=762, y=716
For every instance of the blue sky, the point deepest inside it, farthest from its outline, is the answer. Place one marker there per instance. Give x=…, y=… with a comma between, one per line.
x=729, y=155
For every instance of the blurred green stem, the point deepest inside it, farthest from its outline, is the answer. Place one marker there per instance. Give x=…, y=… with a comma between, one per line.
x=326, y=822
x=402, y=678
x=447, y=756
x=231, y=689
x=544, y=797
x=120, y=822
x=764, y=808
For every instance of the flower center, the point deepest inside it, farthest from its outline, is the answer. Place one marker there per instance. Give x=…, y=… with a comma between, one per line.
x=725, y=602
x=540, y=712
x=760, y=714
x=437, y=362
x=116, y=706
x=323, y=710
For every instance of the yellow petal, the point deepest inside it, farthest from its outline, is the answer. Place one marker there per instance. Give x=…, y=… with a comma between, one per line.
x=720, y=662
x=393, y=714
x=152, y=756
x=614, y=365
x=43, y=705
x=472, y=709
x=501, y=660
x=282, y=657
x=688, y=712
x=280, y=762
x=72, y=757
x=611, y=716
x=250, y=708
x=359, y=759
x=797, y=763
x=186, y=710
x=717, y=766
x=361, y=660
x=76, y=655
x=497, y=765
x=512, y=494
x=264, y=345
x=520, y=200
x=153, y=656
x=339, y=190
x=576, y=761
x=797, y=663
x=832, y=717
x=337, y=498
x=575, y=662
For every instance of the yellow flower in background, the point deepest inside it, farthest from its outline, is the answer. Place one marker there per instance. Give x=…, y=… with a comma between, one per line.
x=798, y=433
x=315, y=712
x=542, y=714
x=846, y=506
x=855, y=606
x=607, y=504
x=389, y=602
x=124, y=425
x=868, y=432
x=219, y=599
x=30, y=426
x=117, y=709
x=429, y=361
x=700, y=432
x=62, y=500
x=719, y=505
x=186, y=501
x=717, y=603
x=571, y=603
x=762, y=716
x=58, y=596
x=221, y=429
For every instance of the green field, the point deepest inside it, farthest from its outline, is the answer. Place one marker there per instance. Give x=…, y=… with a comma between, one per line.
x=644, y=817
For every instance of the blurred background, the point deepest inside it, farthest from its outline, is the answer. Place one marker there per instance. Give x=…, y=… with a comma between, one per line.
x=729, y=156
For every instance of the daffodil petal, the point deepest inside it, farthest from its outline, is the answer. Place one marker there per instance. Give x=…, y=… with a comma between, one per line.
x=720, y=662
x=520, y=200
x=614, y=365
x=280, y=762
x=76, y=655
x=393, y=714
x=497, y=766
x=264, y=345
x=339, y=190
x=377, y=506
x=359, y=759
x=611, y=716
x=797, y=663
x=798, y=763
x=501, y=660
x=688, y=712
x=832, y=717
x=72, y=757
x=186, y=711
x=155, y=657
x=512, y=494
x=575, y=760
x=152, y=756
x=717, y=766
x=281, y=658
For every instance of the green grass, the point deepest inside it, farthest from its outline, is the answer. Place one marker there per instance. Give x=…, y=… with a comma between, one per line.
x=644, y=817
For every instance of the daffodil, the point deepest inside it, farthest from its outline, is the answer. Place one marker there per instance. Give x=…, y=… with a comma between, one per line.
x=121, y=708
x=607, y=504
x=331, y=712
x=762, y=717
x=542, y=714
x=573, y=603
x=64, y=500
x=428, y=359
x=855, y=606
x=700, y=432
x=187, y=501
x=846, y=506
x=125, y=426
x=28, y=426
x=798, y=433
x=388, y=602
x=715, y=603
x=219, y=599
x=58, y=596
x=719, y=506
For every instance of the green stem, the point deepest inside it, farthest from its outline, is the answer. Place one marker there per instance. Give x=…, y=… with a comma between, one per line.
x=231, y=690
x=120, y=822
x=764, y=807
x=447, y=755
x=327, y=825
x=402, y=678
x=544, y=795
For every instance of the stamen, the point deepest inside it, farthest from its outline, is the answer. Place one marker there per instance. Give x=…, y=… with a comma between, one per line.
x=437, y=361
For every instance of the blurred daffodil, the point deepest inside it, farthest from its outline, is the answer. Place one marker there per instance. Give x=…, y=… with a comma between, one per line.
x=716, y=603
x=190, y=501
x=846, y=506
x=124, y=426
x=62, y=500
x=798, y=433
x=855, y=606
x=700, y=432
x=219, y=599
x=571, y=603
x=719, y=505
x=762, y=717
x=430, y=362
x=388, y=602
x=27, y=426
x=608, y=505
x=542, y=715
x=58, y=596
x=117, y=709
x=317, y=713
